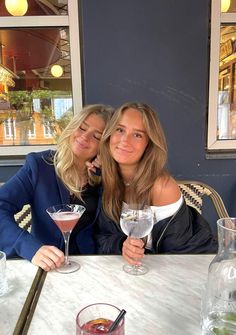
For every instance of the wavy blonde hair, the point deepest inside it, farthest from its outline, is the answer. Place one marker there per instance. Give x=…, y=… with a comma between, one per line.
x=150, y=167
x=64, y=159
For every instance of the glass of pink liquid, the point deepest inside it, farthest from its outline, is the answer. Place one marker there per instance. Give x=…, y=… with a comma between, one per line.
x=97, y=319
x=65, y=217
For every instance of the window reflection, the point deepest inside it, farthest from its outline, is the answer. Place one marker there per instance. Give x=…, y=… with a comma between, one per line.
x=35, y=106
x=35, y=7
x=226, y=128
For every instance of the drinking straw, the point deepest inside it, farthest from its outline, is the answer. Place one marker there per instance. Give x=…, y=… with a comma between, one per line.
x=117, y=320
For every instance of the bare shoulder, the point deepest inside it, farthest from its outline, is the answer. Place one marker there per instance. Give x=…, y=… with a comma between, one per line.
x=165, y=191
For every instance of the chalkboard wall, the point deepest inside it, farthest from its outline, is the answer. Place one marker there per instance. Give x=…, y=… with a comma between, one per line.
x=156, y=51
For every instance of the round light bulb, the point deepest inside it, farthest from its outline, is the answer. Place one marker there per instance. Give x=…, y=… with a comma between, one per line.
x=16, y=7
x=56, y=71
x=225, y=4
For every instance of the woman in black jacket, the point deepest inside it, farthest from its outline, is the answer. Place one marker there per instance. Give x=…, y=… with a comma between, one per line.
x=134, y=154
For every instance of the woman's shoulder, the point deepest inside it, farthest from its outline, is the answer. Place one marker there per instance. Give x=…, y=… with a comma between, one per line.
x=45, y=156
x=165, y=191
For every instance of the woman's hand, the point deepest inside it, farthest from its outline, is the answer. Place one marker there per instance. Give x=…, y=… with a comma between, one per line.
x=133, y=250
x=94, y=166
x=48, y=258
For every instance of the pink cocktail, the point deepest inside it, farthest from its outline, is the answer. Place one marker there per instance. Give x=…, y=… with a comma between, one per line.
x=66, y=221
x=97, y=326
x=66, y=217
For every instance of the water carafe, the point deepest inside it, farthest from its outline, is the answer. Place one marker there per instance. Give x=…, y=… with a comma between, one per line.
x=219, y=300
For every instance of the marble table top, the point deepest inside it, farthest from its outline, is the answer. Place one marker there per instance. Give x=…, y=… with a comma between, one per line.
x=20, y=275
x=165, y=301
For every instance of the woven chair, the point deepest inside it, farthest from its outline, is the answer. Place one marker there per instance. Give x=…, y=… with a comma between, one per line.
x=24, y=218
x=194, y=193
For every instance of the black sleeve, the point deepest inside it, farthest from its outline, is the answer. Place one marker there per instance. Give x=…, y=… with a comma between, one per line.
x=186, y=232
x=108, y=236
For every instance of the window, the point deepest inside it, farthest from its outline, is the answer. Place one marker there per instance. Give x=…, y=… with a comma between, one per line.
x=48, y=131
x=31, y=131
x=37, y=101
x=222, y=89
x=9, y=129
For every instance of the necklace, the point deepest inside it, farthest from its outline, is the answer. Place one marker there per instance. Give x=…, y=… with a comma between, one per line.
x=127, y=183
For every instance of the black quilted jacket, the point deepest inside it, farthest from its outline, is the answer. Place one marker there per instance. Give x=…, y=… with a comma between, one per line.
x=184, y=232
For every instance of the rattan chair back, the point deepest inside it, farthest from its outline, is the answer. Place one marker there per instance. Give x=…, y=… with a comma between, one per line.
x=24, y=218
x=194, y=193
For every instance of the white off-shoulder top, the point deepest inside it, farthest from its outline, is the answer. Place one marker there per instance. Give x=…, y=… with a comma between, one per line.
x=163, y=212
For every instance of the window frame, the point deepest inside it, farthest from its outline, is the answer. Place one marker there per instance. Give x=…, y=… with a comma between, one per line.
x=9, y=127
x=70, y=21
x=47, y=131
x=217, y=18
x=32, y=131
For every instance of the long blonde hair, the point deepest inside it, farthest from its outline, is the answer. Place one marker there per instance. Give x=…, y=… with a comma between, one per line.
x=64, y=159
x=150, y=167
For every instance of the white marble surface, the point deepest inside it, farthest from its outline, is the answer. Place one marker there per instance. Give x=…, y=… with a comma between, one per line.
x=165, y=301
x=20, y=275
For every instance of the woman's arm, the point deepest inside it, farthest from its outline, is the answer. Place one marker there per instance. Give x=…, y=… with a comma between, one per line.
x=15, y=241
x=14, y=194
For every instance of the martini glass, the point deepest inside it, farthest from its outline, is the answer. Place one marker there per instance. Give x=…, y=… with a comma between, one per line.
x=65, y=217
x=136, y=221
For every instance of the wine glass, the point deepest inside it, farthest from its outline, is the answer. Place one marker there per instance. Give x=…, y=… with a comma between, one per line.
x=136, y=221
x=65, y=217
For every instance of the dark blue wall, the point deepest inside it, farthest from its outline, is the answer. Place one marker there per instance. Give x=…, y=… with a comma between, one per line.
x=156, y=51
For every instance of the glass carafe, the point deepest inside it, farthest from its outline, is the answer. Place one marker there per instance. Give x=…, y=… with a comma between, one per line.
x=219, y=300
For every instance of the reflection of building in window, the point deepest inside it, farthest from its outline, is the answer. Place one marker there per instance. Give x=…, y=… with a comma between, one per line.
x=226, y=128
x=48, y=132
x=30, y=49
x=40, y=121
x=9, y=129
x=223, y=113
x=222, y=99
x=61, y=106
x=32, y=130
x=36, y=105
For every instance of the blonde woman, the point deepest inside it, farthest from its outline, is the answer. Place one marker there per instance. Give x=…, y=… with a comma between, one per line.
x=134, y=155
x=49, y=178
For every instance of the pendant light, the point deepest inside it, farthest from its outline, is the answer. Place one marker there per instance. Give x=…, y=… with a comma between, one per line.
x=225, y=4
x=56, y=70
x=16, y=7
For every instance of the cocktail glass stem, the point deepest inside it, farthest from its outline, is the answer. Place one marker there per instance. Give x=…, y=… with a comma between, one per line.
x=66, y=236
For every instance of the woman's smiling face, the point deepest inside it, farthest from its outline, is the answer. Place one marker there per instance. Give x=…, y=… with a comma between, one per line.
x=85, y=140
x=129, y=140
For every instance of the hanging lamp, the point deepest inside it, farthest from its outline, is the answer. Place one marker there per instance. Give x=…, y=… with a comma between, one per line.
x=56, y=70
x=16, y=7
x=225, y=4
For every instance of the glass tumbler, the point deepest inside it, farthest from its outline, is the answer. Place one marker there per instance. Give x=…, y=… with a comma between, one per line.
x=97, y=319
x=3, y=274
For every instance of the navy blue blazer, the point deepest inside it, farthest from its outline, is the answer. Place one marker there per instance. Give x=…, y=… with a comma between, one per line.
x=37, y=184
